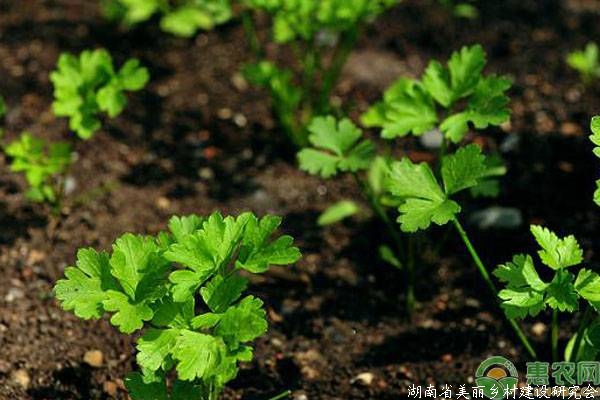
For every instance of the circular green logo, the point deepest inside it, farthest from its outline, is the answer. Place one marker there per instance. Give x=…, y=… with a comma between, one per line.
x=494, y=375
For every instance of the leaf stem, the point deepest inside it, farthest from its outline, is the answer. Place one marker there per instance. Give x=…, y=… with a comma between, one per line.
x=332, y=73
x=251, y=35
x=486, y=277
x=283, y=395
x=580, y=332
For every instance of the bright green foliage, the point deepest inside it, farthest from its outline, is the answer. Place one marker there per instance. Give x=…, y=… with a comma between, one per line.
x=458, y=91
x=304, y=19
x=337, y=147
x=43, y=164
x=423, y=199
x=337, y=212
x=586, y=62
x=527, y=294
x=595, y=138
x=183, y=18
x=461, y=9
x=89, y=84
x=321, y=35
x=153, y=284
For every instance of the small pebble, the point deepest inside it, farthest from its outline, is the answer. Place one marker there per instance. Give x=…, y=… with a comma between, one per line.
x=93, y=358
x=539, y=329
x=21, y=377
x=364, y=378
x=300, y=396
x=163, y=203
x=110, y=388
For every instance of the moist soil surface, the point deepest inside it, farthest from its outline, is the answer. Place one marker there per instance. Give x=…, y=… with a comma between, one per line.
x=198, y=139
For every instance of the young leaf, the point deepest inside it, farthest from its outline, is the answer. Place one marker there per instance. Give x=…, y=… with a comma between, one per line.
x=86, y=286
x=220, y=292
x=198, y=355
x=243, y=322
x=411, y=111
x=465, y=70
x=258, y=253
x=424, y=200
x=595, y=138
x=557, y=253
x=86, y=85
x=154, y=347
x=524, y=294
x=561, y=294
x=337, y=148
x=337, y=212
x=587, y=285
x=463, y=169
x=128, y=316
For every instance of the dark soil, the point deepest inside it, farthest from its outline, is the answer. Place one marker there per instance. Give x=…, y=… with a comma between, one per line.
x=198, y=140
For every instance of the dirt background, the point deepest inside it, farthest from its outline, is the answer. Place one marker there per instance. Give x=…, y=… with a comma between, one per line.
x=198, y=139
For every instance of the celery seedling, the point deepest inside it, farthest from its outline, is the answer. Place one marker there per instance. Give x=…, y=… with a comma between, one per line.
x=183, y=290
x=88, y=84
x=526, y=294
x=585, y=62
x=321, y=35
x=424, y=201
x=180, y=18
x=44, y=165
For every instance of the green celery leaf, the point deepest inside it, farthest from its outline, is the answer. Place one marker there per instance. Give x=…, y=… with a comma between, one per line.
x=524, y=294
x=243, y=322
x=561, y=292
x=424, y=200
x=258, y=253
x=197, y=355
x=557, y=253
x=128, y=316
x=587, y=285
x=337, y=148
x=219, y=293
x=411, y=111
x=154, y=347
x=337, y=212
x=463, y=169
x=86, y=286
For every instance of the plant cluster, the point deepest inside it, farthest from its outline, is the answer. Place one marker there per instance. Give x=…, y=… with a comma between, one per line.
x=320, y=35
x=181, y=18
x=44, y=165
x=88, y=84
x=586, y=62
x=157, y=285
x=449, y=98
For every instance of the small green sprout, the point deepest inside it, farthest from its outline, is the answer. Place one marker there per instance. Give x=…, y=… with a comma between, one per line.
x=321, y=35
x=183, y=291
x=586, y=63
x=182, y=19
x=44, y=165
x=453, y=97
x=88, y=84
x=527, y=294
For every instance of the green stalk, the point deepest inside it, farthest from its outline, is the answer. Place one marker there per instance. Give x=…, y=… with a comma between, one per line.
x=283, y=395
x=331, y=75
x=554, y=335
x=580, y=332
x=486, y=277
x=213, y=391
x=251, y=35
